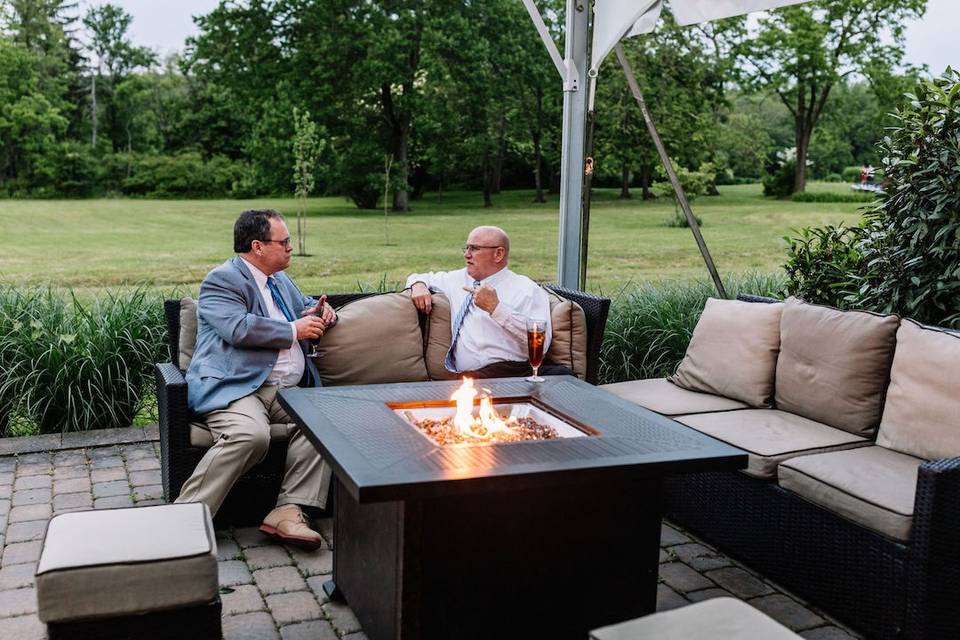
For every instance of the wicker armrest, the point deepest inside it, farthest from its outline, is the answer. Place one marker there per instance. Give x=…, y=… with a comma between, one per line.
x=595, y=309
x=933, y=596
x=174, y=425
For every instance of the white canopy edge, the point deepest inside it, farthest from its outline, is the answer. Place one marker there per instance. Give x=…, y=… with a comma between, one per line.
x=614, y=20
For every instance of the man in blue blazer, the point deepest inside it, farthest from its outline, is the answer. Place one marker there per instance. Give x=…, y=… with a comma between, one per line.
x=253, y=325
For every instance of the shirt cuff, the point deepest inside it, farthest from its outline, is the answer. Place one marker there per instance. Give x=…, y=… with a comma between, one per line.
x=293, y=328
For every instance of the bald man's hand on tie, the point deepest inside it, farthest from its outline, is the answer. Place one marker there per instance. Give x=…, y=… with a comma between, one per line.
x=484, y=297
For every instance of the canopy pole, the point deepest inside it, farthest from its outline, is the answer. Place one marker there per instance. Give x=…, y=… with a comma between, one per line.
x=571, y=230
x=671, y=173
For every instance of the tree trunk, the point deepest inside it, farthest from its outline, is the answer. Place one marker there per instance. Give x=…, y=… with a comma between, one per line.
x=803, y=148
x=646, y=179
x=538, y=167
x=93, y=111
x=625, y=181
x=501, y=151
x=487, y=179
x=401, y=198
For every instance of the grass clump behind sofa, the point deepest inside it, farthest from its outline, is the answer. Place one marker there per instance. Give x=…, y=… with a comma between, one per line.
x=71, y=366
x=650, y=325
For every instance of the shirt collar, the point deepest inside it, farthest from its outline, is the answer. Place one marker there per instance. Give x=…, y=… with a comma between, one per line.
x=259, y=276
x=495, y=278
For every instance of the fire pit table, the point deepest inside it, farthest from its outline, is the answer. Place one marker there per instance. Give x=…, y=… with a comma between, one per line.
x=529, y=539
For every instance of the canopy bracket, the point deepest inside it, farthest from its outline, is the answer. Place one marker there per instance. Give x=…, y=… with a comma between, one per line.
x=566, y=68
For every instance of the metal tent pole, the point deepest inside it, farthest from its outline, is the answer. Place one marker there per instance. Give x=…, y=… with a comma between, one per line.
x=572, y=150
x=671, y=173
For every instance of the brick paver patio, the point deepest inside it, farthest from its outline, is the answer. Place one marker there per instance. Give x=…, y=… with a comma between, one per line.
x=271, y=591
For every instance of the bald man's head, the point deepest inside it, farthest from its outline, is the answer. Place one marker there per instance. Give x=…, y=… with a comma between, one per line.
x=487, y=251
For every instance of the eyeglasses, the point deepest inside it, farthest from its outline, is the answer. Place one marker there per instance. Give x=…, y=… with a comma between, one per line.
x=472, y=248
x=285, y=242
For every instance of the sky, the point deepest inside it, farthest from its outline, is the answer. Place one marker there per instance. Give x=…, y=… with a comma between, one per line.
x=163, y=25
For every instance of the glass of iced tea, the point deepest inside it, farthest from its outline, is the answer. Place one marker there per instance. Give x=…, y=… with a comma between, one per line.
x=536, y=337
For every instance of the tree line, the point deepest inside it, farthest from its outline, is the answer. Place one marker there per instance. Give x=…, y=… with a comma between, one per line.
x=408, y=96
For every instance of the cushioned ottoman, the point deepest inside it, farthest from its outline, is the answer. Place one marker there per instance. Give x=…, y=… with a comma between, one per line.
x=143, y=572
x=719, y=618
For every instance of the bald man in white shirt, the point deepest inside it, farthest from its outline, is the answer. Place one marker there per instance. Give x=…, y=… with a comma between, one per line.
x=495, y=302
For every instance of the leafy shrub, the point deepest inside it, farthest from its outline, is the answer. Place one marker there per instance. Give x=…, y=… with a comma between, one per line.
x=905, y=258
x=184, y=175
x=74, y=367
x=650, y=325
x=850, y=174
x=694, y=183
x=913, y=239
x=833, y=177
x=807, y=196
x=779, y=179
x=823, y=264
x=75, y=170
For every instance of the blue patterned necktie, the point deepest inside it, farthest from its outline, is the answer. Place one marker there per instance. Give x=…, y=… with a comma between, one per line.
x=450, y=362
x=278, y=299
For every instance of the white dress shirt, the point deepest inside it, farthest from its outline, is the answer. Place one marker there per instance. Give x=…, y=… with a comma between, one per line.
x=484, y=337
x=290, y=363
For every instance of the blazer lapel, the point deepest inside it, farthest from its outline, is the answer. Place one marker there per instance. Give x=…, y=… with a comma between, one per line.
x=251, y=283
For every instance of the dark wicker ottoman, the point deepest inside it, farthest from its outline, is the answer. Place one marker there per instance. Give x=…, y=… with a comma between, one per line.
x=147, y=572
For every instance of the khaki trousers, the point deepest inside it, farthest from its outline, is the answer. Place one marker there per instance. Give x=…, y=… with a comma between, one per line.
x=241, y=434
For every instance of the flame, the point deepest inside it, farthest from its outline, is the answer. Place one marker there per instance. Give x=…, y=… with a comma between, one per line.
x=484, y=426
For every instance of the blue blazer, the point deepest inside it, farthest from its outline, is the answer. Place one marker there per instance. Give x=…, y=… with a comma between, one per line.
x=237, y=342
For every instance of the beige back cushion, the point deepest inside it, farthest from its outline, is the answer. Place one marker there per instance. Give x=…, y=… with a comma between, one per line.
x=921, y=416
x=568, y=338
x=733, y=352
x=376, y=340
x=834, y=365
x=438, y=339
x=188, y=331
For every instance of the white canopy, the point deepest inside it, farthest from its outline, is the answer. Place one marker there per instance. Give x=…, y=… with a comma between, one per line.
x=615, y=19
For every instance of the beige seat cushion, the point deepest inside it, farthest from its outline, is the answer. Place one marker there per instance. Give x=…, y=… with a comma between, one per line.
x=188, y=331
x=115, y=562
x=834, y=365
x=733, y=352
x=921, y=416
x=662, y=396
x=872, y=486
x=200, y=435
x=438, y=339
x=770, y=436
x=715, y=619
x=376, y=340
x=568, y=341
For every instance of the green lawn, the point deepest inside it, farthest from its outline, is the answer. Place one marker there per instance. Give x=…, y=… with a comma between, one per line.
x=92, y=244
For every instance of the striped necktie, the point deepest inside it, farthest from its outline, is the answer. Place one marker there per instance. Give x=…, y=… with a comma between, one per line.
x=450, y=361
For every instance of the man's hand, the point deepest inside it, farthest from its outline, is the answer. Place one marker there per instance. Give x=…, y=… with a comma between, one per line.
x=484, y=297
x=310, y=327
x=323, y=311
x=420, y=295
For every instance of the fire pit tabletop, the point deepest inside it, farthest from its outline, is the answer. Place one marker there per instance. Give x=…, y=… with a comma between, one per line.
x=378, y=456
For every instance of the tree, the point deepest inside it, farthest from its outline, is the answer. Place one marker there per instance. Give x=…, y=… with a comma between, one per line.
x=115, y=57
x=801, y=52
x=307, y=146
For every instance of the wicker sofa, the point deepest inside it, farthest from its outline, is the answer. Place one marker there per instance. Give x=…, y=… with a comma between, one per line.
x=852, y=424
x=380, y=338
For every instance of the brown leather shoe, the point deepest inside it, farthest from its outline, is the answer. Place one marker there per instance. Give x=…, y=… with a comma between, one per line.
x=288, y=524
